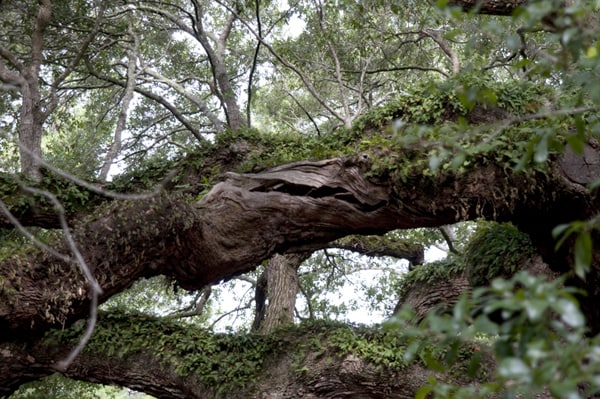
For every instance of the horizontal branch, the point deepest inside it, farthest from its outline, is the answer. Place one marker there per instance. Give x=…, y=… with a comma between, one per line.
x=246, y=218
x=170, y=360
x=382, y=246
x=491, y=7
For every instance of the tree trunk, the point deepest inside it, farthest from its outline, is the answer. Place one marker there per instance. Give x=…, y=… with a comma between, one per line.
x=282, y=288
x=30, y=129
x=32, y=115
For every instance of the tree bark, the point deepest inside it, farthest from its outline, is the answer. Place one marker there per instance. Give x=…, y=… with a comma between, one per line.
x=248, y=217
x=382, y=246
x=26, y=77
x=492, y=7
x=282, y=288
x=136, y=352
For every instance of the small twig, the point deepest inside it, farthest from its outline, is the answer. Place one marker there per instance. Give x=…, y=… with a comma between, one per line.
x=98, y=190
x=449, y=237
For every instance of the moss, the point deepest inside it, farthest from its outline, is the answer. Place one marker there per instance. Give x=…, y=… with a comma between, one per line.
x=230, y=363
x=496, y=250
x=430, y=273
x=220, y=361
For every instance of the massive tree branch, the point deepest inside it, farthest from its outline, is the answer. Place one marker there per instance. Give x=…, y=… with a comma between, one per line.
x=248, y=217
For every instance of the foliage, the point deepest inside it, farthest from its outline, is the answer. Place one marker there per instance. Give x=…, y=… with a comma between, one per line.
x=538, y=343
x=583, y=231
x=459, y=90
x=71, y=196
x=154, y=297
x=57, y=387
x=496, y=250
x=343, y=285
x=221, y=361
x=437, y=101
x=431, y=273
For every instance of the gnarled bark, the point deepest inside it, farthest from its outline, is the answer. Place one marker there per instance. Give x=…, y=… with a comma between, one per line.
x=248, y=217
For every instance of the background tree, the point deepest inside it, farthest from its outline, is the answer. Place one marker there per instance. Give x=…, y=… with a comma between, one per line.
x=150, y=156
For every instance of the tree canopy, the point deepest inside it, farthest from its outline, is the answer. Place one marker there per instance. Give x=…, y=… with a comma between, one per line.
x=162, y=160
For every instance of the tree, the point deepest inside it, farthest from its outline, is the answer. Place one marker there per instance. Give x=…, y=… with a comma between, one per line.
x=175, y=93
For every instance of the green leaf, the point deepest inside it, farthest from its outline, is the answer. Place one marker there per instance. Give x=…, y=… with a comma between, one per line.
x=432, y=363
x=434, y=162
x=535, y=308
x=422, y=392
x=583, y=254
x=569, y=313
x=576, y=143
x=513, y=368
x=560, y=229
x=566, y=389
x=541, y=150
x=458, y=160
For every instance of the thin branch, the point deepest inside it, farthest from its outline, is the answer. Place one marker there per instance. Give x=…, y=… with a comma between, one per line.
x=155, y=97
x=399, y=68
x=338, y=69
x=451, y=54
x=214, y=119
x=505, y=124
x=27, y=234
x=248, y=305
x=307, y=83
x=254, y=63
x=98, y=190
x=202, y=300
x=306, y=113
x=95, y=288
x=448, y=235
x=127, y=96
x=77, y=59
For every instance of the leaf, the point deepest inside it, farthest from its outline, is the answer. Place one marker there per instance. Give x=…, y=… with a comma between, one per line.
x=434, y=162
x=422, y=392
x=541, y=150
x=514, y=368
x=458, y=161
x=432, y=363
x=535, y=308
x=583, y=254
x=560, y=229
x=569, y=313
x=576, y=143
x=592, y=52
x=565, y=389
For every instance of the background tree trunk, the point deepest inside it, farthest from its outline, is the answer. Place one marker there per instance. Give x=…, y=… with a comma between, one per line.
x=30, y=128
x=282, y=288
